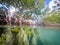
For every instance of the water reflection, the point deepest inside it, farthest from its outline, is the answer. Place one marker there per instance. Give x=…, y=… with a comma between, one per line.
x=35, y=35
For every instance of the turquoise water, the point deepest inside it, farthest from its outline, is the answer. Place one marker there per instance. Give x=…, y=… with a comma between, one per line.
x=48, y=36
x=31, y=36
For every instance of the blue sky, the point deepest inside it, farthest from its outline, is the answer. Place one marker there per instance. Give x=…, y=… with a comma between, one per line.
x=46, y=2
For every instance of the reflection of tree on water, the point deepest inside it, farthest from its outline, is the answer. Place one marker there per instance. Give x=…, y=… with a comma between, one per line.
x=2, y=20
x=23, y=37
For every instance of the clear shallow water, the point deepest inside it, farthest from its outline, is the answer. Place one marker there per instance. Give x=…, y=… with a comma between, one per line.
x=31, y=36
x=48, y=36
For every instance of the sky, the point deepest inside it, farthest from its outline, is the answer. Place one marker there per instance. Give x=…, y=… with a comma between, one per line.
x=54, y=5
x=50, y=4
x=46, y=2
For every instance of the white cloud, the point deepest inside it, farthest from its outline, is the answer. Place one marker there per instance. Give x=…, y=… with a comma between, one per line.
x=51, y=4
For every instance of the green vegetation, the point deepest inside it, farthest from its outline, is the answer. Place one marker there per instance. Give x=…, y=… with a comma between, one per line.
x=54, y=18
x=20, y=36
x=34, y=6
x=15, y=30
x=3, y=39
x=26, y=36
x=23, y=3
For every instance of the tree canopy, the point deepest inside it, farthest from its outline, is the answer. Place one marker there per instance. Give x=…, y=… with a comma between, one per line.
x=24, y=3
x=26, y=7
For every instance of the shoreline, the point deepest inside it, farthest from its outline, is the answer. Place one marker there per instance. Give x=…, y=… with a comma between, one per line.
x=50, y=24
x=43, y=24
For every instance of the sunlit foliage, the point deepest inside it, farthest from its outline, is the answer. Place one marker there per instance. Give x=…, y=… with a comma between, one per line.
x=53, y=18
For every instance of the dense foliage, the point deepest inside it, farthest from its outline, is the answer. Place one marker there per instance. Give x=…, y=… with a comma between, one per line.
x=26, y=7
x=25, y=36
x=54, y=17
